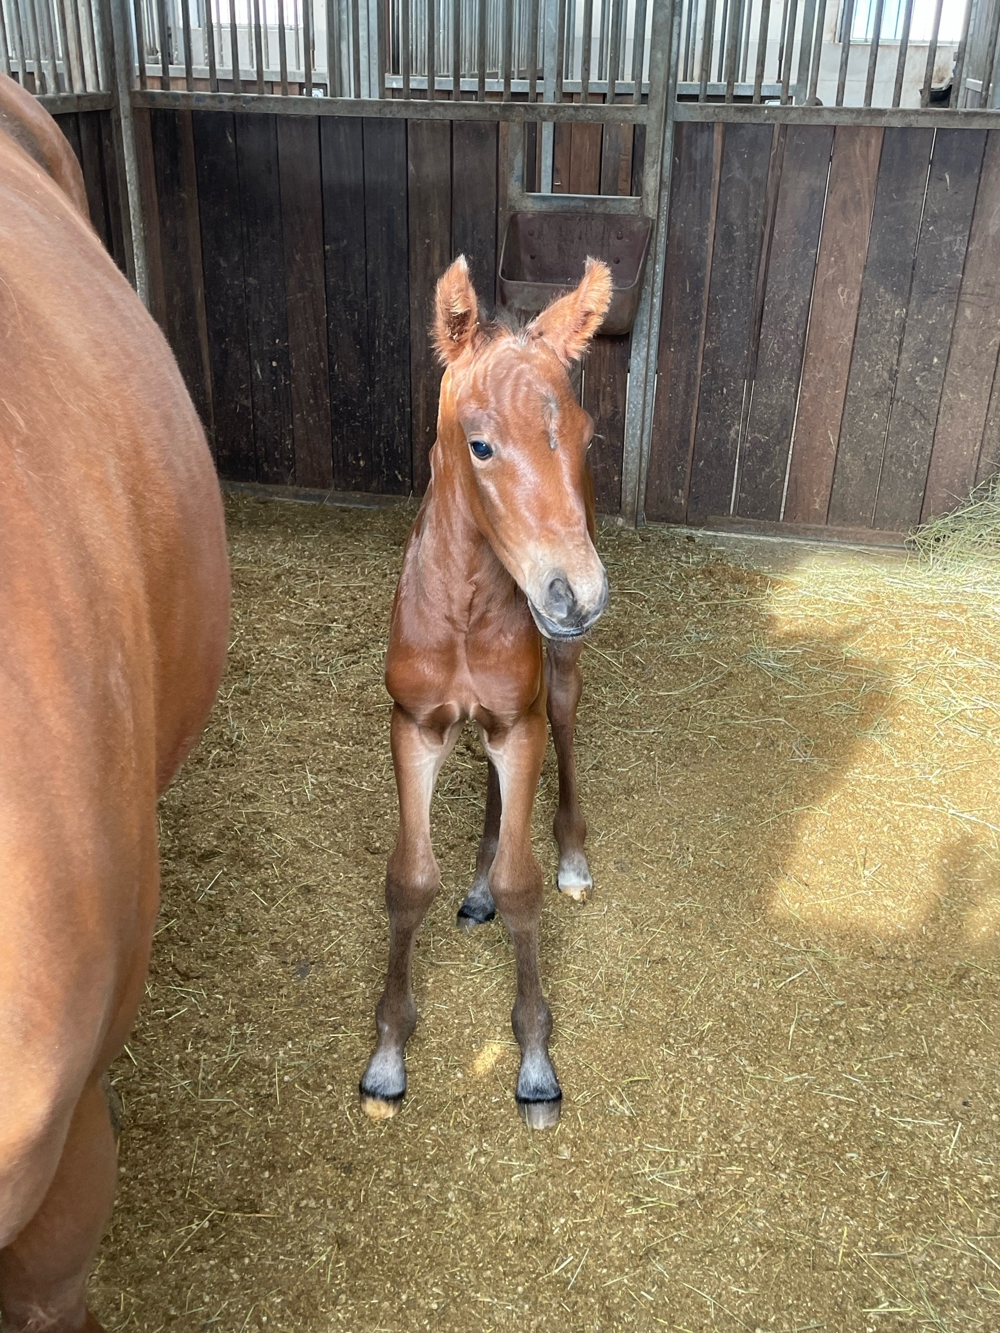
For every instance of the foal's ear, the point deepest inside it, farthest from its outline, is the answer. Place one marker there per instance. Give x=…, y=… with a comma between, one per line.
x=569, y=323
x=456, y=311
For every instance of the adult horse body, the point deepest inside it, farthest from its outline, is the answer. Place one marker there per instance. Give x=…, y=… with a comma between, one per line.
x=501, y=554
x=114, y=592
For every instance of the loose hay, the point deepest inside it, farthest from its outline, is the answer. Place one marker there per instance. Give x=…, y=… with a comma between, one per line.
x=775, y=1021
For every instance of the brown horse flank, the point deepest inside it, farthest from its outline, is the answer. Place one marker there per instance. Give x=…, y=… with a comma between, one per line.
x=114, y=593
x=502, y=549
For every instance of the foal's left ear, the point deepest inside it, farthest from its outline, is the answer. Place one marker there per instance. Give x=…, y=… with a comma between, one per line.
x=569, y=323
x=456, y=311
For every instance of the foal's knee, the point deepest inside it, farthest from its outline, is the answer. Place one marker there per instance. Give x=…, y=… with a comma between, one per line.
x=31, y=1140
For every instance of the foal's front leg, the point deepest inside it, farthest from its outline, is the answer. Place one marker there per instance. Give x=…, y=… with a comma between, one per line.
x=516, y=884
x=565, y=680
x=411, y=883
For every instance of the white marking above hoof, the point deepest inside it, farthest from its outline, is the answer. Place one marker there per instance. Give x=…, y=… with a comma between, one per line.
x=574, y=877
x=376, y=1108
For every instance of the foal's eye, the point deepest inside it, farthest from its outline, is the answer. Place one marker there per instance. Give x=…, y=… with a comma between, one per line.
x=481, y=449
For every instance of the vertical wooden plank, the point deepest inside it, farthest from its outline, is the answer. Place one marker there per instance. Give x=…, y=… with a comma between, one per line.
x=746, y=155
x=781, y=341
x=112, y=190
x=91, y=162
x=989, y=454
x=585, y=160
x=225, y=292
x=342, y=158
x=885, y=292
x=267, y=315
x=388, y=302
x=69, y=124
x=474, y=202
x=562, y=156
x=833, y=319
x=605, y=386
x=697, y=155
x=305, y=297
x=151, y=213
x=616, y=159
x=179, y=244
x=972, y=360
x=429, y=171
x=930, y=318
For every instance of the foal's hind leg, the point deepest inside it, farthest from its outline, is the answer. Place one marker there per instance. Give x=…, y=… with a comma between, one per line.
x=44, y=1270
x=411, y=882
x=479, y=907
x=565, y=680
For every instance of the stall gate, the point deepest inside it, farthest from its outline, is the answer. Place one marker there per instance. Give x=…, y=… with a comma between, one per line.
x=817, y=345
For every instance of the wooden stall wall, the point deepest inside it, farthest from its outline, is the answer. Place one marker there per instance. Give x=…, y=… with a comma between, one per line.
x=293, y=263
x=90, y=136
x=830, y=328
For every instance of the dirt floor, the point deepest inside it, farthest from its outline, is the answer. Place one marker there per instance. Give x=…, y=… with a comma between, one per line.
x=775, y=1021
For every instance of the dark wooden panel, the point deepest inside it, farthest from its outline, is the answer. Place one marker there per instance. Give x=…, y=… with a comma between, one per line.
x=616, y=158
x=341, y=152
x=151, y=213
x=386, y=245
x=697, y=154
x=305, y=297
x=989, y=454
x=474, y=203
x=785, y=313
x=746, y=154
x=69, y=124
x=429, y=168
x=92, y=164
x=585, y=160
x=885, y=292
x=605, y=386
x=972, y=360
x=267, y=315
x=179, y=238
x=225, y=292
x=109, y=159
x=562, y=157
x=930, y=317
x=832, y=322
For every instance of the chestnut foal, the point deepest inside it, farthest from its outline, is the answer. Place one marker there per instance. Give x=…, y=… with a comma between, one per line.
x=500, y=555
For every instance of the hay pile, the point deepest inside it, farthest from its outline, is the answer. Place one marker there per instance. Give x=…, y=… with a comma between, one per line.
x=775, y=1020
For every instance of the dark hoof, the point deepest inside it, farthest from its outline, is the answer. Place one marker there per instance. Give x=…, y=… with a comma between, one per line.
x=379, y=1108
x=540, y=1115
x=468, y=919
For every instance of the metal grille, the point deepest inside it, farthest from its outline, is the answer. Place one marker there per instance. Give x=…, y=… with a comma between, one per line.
x=54, y=47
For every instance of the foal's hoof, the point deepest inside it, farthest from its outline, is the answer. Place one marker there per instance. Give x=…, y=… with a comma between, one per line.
x=469, y=917
x=379, y=1108
x=540, y=1115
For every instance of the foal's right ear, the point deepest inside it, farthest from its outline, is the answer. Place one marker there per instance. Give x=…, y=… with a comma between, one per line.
x=456, y=311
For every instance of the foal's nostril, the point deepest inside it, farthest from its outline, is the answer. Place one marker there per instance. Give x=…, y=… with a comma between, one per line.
x=559, y=599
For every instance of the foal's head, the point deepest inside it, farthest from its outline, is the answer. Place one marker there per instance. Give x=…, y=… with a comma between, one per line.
x=511, y=426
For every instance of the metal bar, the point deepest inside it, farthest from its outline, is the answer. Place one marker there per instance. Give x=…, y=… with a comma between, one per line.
x=723, y=41
x=594, y=113
x=638, y=48
x=732, y=48
x=960, y=56
x=988, y=97
x=758, y=78
x=140, y=43
x=508, y=45
x=614, y=48
x=307, y=45
x=62, y=39
x=904, y=43
x=258, y=48
x=188, y=59
x=49, y=46
x=689, y=39
x=805, y=49
x=334, y=38
x=646, y=331
x=209, y=31
x=283, y=47
x=532, y=51
x=588, y=37
x=456, y=49
x=925, y=90
x=18, y=36
x=34, y=51
x=873, y=51
x=117, y=45
x=234, y=48
x=845, y=49
x=707, y=46
x=356, y=44
x=404, y=43
x=791, y=13
x=817, y=51
x=560, y=56
x=891, y=117
x=481, y=51
x=380, y=44
x=163, y=37
x=4, y=49
x=782, y=37
x=57, y=104
x=747, y=25
x=103, y=77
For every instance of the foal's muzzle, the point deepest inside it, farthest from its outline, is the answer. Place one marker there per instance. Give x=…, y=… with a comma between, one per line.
x=558, y=613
